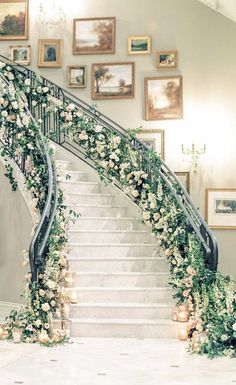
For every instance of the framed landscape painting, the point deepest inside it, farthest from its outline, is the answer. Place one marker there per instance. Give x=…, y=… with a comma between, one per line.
x=14, y=19
x=76, y=76
x=139, y=45
x=50, y=53
x=153, y=139
x=163, y=98
x=20, y=54
x=167, y=59
x=221, y=208
x=113, y=80
x=94, y=35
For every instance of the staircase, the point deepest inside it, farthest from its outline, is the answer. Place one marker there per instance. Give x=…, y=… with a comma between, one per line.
x=121, y=277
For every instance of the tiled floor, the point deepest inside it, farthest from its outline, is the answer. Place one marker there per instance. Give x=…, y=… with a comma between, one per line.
x=112, y=362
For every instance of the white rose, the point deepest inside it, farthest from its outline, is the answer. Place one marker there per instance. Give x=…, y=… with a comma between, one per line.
x=27, y=82
x=46, y=306
x=234, y=327
x=135, y=193
x=98, y=128
x=4, y=113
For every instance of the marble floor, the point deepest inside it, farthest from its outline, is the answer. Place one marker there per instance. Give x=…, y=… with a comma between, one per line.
x=112, y=362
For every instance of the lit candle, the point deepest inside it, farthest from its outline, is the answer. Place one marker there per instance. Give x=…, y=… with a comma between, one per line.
x=196, y=347
x=69, y=281
x=175, y=315
x=65, y=310
x=183, y=334
x=43, y=337
x=16, y=335
x=182, y=316
x=73, y=297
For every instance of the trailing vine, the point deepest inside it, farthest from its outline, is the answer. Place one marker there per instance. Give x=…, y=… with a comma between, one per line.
x=210, y=296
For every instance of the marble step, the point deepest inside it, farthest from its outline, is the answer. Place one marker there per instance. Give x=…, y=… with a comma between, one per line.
x=107, y=223
x=124, y=328
x=80, y=187
x=93, y=279
x=121, y=310
x=88, y=199
x=72, y=176
x=156, y=264
x=125, y=294
x=113, y=236
x=114, y=250
x=98, y=210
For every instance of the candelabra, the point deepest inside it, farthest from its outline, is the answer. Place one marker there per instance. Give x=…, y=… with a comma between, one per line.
x=51, y=14
x=194, y=152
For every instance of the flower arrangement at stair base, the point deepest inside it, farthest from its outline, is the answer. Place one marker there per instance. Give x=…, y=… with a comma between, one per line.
x=20, y=136
x=212, y=316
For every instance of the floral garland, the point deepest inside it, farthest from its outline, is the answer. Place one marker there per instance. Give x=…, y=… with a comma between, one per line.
x=210, y=297
x=20, y=135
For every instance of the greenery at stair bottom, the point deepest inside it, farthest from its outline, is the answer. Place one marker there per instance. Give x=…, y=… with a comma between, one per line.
x=20, y=136
x=210, y=296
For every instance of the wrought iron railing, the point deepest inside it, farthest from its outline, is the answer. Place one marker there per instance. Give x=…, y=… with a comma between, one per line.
x=51, y=127
x=38, y=246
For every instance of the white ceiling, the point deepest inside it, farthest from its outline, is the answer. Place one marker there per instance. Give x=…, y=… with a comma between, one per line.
x=226, y=7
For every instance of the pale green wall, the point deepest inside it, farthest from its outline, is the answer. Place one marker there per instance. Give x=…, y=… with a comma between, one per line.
x=206, y=44
x=15, y=229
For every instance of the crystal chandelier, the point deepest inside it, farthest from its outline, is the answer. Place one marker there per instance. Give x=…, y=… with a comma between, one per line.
x=51, y=13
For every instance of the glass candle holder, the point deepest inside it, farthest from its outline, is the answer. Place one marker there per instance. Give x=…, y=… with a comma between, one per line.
x=16, y=335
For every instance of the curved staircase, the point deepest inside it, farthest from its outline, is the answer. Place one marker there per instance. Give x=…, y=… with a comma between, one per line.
x=121, y=276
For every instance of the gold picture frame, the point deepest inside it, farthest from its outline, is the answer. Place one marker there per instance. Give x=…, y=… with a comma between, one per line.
x=154, y=138
x=163, y=97
x=184, y=177
x=50, y=53
x=221, y=208
x=167, y=59
x=139, y=45
x=14, y=16
x=77, y=76
x=20, y=54
x=94, y=35
x=113, y=80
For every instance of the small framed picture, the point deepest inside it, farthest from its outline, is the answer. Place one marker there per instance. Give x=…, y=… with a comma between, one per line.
x=14, y=15
x=184, y=177
x=167, y=59
x=139, y=45
x=77, y=76
x=221, y=208
x=113, y=80
x=20, y=54
x=94, y=35
x=50, y=53
x=163, y=98
x=154, y=139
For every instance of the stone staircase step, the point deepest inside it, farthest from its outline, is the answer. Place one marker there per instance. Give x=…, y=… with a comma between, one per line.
x=125, y=294
x=72, y=175
x=107, y=223
x=80, y=187
x=98, y=210
x=124, y=328
x=120, y=250
x=156, y=264
x=88, y=199
x=102, y=236
x=92, y=279
x=121, y=310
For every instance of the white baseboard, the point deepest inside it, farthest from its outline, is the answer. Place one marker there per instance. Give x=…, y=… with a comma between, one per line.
x=6, y=307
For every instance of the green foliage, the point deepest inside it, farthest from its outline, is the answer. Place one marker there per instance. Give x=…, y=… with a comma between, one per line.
x=210, y=297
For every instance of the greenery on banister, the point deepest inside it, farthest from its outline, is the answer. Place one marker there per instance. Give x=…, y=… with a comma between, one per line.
x=210, y=296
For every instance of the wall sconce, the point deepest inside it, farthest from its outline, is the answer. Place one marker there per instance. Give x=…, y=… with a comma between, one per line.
x=51, y=13
x=194, y=151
